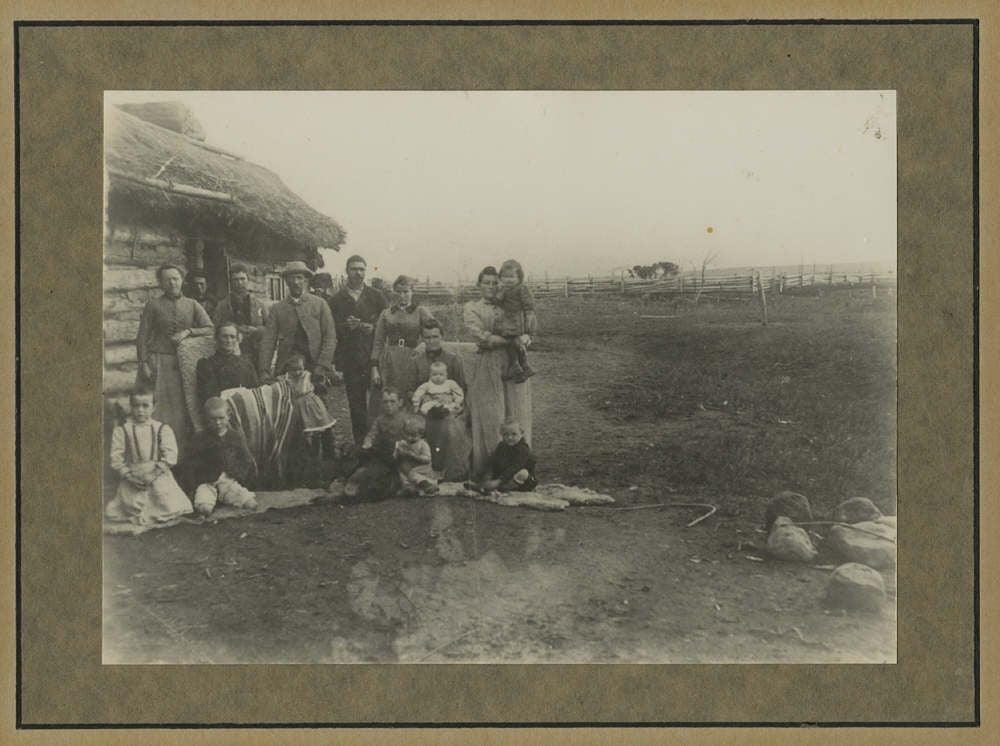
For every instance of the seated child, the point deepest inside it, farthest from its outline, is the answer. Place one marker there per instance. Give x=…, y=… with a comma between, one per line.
x=376, y=476
x=310, y=408
x=513, y=464
x=439, y=395
x=143, y=451
x=413, y=457
x=517, y=320
x=220, y=463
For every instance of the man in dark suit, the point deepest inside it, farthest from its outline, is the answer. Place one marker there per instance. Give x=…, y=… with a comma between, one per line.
x=356, y=308
x=300, y=323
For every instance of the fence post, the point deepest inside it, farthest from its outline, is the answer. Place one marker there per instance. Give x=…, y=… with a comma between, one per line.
x=763, y=300
x=622, y=281
x=874, y=286
x=566, y=288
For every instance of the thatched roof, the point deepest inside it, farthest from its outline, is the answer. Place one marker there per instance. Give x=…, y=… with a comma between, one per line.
x=164, y=176
x=171, y=115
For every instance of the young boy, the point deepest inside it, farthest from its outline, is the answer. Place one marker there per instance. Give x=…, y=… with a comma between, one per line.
x=513, y=464
x=220, y=463
x=376, y=475
x=413, y=456
x=438, y=395
x=143, y=452
x=517, y=320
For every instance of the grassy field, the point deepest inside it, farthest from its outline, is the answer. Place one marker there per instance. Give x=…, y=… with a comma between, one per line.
x=806, y=403
x=705, y=405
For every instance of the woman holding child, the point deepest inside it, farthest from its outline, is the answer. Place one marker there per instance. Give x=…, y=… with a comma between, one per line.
x=446, y=417
x=493, y=397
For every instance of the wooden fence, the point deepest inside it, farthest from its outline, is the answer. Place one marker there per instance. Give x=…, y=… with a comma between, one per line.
x=716, y=284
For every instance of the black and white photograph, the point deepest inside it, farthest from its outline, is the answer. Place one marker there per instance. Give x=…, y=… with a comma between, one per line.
x=499, y=377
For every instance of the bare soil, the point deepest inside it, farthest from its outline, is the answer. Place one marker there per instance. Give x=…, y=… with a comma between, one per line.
x=705, y=407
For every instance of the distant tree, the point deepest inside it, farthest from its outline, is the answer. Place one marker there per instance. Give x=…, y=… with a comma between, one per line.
x=656, y=269
x=378, y=283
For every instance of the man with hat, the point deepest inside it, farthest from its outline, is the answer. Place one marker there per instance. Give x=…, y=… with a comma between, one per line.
x=243, y=308
x=321, y=284
x=300, y=323
x=356, y=308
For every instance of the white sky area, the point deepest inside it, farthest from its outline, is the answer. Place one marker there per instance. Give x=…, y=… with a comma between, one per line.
x=571, y=183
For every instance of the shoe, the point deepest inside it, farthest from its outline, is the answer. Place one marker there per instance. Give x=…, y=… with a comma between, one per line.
x=513, y=372
x=527, y=371
x=428, y=488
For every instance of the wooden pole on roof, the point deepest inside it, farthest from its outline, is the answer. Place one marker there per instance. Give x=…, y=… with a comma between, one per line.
x=169, y=186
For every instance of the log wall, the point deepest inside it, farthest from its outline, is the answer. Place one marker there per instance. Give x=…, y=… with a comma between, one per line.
x=131, y=256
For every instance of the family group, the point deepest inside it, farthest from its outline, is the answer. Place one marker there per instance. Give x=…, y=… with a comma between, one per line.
x=417, y=416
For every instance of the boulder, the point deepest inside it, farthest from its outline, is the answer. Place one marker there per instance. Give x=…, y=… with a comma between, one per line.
x=856, y=510
x=870, y=543
x=789, y=504
x=789, y=543
x=855, y=586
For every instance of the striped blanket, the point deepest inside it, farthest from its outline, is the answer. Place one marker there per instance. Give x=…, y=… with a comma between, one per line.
x=263, y=415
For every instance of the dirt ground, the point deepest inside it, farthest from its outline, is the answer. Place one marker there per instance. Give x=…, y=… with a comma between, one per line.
x=450, y=579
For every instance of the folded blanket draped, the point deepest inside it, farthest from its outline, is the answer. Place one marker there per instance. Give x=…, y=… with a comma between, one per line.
x=263, y=415
x=189, y=352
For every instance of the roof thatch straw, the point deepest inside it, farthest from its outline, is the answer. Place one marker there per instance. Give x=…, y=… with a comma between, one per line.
x=162, y=176
x=172, y=115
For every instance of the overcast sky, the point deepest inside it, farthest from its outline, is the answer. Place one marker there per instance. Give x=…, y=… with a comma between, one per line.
x=441, y=183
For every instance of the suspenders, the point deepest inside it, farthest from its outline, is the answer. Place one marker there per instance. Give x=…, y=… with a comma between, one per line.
x=132, y=445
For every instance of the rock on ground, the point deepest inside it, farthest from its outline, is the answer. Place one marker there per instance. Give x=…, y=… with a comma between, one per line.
x=855, y=586
x=856, y=510
x=870, y=543
x=789, y=504
x=790, y=543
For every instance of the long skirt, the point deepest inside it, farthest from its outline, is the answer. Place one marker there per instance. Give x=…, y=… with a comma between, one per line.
x=490, y=401
x=170, y=407
x=449, y=442
x=398, y=370
x=160, y=501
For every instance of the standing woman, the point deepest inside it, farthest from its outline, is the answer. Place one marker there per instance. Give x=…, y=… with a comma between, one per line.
x=397, y=333
x=491, y=400
x=165, y=322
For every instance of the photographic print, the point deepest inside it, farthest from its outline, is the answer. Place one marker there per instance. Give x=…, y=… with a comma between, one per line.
x=499, y=376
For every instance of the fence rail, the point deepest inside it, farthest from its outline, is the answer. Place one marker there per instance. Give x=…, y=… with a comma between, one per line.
x=745, y=283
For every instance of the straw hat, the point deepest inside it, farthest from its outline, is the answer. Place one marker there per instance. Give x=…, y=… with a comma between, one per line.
x=296, y=268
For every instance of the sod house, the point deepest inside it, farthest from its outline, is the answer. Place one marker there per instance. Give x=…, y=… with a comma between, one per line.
x=173, y=198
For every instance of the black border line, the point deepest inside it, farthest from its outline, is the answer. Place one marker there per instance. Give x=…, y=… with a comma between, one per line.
x=974, y=723
x=975, y=371
x=17, y=374
x=524, y=22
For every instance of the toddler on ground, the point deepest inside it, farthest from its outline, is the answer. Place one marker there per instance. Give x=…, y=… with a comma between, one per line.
x=413, y=457
x=220, y=463
x=143, y=452
x=513, y=464
x=438, y=395
x=517, y=320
